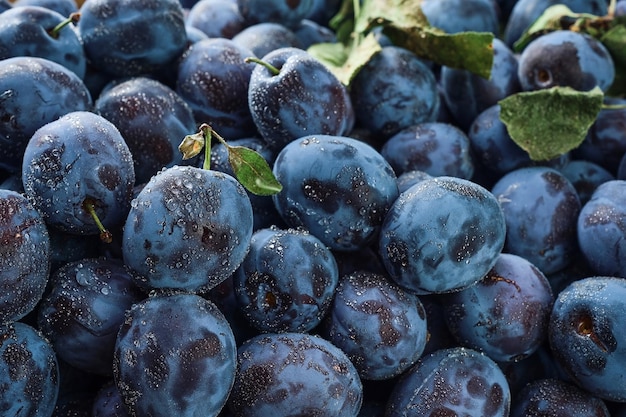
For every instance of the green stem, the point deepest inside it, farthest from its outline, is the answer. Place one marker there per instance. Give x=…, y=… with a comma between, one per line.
x=356, y=5
x=613, y=106
x=612, y=5
x=73, y=18
x=89, y=206
x=273, y=69
x=208, y=133
x=222, y=140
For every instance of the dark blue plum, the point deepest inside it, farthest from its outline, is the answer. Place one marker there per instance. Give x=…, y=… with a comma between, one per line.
x=567, y=59
x=505, y=315
x=587, y=336
x=394, y=90
x=493, y=148
x=84, y=310
x=5, y=5
x=108, y=402
x=442, y=234
x=303, y=98
x=76, y=160
x=541, y=207
x=66, y=248
x=525, y=12
x=294, y=374
x=216, y=18
x=129, y=37
x=381, y=327
x=467, y=95
x=153, y=120
x=63, y=7
x=365, y=259
x=438, y=149
x=310, y=33
x=455, y=16
x=451, y=382
x=28, y=31
x=556, y=398
x=175, y=356
x=539, y=365
x=193, y=35
x=492, y=145
x=586, y=176
x=223, y=296
x=605, y=143
x=286, y=12
x=409, y=178
x=286, y=281
x=439, y=336
x=263, y=38
x=338, y=188
x=213, y=79
x=29, y=372
x=323, y=10
x=505, y=7
x=188, y=228
x=77, y=391
x=22, y=111
x=263, y=209
x=601, y=228
x=24, y=256
x=12, y=182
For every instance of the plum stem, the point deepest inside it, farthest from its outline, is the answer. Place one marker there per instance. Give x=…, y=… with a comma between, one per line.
x=270, y=67
x=89, y=206
x=207, y=132
x=73, y=18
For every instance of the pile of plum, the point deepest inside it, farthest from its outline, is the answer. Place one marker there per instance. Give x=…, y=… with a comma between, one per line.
x=416, y=261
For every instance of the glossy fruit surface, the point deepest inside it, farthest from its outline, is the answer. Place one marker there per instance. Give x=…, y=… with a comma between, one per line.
x=76, y=160
x=175, y=355
x=585, y=335
x=455, y=381
x=59, y=91
x=270, y=366
x=442, y=234
x=188, y=229
x=338, y=188
x=24, y=256
x=286, y=282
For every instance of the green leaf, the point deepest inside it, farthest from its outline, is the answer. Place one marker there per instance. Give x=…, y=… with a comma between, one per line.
x=615, y=42
x=407, y=26
x=548, y=123
x=406, y=13
x=253, y=171
x=346, y=61
x=343, y=22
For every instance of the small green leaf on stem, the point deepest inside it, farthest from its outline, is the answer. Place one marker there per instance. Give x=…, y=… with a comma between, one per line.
x=548, y=123
x=249, y=167
x=253, y=171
